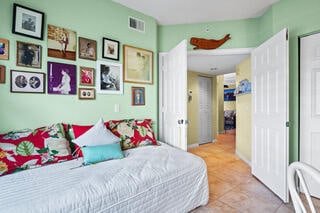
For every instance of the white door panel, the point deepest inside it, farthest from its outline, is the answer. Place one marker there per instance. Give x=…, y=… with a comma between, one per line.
x=310, y=105
x=173, y=96
x=270, y=113
x=205, y=109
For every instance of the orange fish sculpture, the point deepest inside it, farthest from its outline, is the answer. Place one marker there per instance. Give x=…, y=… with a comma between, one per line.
x=208, y=44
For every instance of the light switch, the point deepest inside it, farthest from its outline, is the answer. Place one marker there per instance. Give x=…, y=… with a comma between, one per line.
x=116, y=108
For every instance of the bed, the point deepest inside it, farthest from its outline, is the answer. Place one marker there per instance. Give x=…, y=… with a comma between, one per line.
x=149, y=179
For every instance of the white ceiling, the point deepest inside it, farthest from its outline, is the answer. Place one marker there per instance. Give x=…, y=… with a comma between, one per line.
x=169, y=12
x=216, y=62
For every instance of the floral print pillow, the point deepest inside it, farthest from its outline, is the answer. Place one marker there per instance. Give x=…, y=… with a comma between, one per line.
x=27, y=148
x=133, y=133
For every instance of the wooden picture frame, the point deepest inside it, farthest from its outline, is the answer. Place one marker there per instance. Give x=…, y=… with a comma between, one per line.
x=27, y=21
x=110, y=49
x=4, y=49
x=62, y=78
x=28, y=55
x=86, y=93
x=62, y=43
x=2, y=74
x=109, y=78
x=27, y=82
x=138, y=96
x=138, y=65
x=87, y=76
x=87, y=49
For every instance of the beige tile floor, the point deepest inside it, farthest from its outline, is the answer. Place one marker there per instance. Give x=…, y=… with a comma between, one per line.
x=232, y=187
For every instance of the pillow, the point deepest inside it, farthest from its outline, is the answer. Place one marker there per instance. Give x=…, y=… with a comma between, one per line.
x=97, y=135
x=79, y=130
x=28, y=148
x=95, y=154
x=133, y=133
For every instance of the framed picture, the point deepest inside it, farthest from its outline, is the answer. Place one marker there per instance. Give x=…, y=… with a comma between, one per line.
x=138, y=65
x=27, y=22
x=28, y=55
x=61, y=43
x=86, y=76
x=86, y=93
x=110, y=49
x=109, y=78
x=27, y=82
x=62, y=79
x=2, y=74
x=138, y=96
x=87, y=49
x=229, y=95
x=4, y=49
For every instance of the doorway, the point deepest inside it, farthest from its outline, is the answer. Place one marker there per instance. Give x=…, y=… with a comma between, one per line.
x=205, y=110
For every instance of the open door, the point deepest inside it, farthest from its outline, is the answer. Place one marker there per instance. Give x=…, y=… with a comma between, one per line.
x=270, y=113
x=173, y=96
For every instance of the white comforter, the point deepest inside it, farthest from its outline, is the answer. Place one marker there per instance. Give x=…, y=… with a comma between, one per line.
x=148, y=179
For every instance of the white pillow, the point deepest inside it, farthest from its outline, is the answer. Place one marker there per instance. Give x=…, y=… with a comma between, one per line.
x=97, y=135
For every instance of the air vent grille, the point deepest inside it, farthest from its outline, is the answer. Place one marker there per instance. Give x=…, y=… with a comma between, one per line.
x=136, y=24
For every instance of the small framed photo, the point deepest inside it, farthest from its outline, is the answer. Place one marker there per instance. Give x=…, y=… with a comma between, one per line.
x=62, y=79
x=110, y=49
x=28, y=55
x=27, y=22
x=109, y=78
x=138, y=96
x=27, y=82
x=138, y=65
x=4, y=49
x=86, y=93
x=2, y=74
x=87, y=49
x=61, y=43
x=87, y=76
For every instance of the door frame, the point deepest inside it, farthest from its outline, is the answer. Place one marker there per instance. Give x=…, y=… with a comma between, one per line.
x=299, y=85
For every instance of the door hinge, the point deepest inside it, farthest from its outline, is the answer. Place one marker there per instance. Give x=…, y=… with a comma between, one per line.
x=287, y=124
x=287, y=35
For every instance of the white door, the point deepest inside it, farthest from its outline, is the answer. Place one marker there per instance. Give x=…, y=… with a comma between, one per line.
x=205, y=109
x=270, y=113
x=310, y=105
x=173, y=96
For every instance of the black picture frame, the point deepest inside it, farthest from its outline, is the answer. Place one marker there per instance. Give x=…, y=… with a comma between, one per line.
x=110, y=49
x=27, y=22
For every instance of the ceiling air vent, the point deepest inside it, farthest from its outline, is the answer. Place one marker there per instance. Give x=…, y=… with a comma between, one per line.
x=136, y=24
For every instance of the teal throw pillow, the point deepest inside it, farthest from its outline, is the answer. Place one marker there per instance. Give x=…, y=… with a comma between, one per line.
x=95, y=154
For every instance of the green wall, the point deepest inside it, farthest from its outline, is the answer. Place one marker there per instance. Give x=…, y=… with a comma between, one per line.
x=300, y=17
x=92, y=19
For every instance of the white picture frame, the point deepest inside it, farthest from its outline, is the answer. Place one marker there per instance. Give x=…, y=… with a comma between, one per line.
x=109, y=78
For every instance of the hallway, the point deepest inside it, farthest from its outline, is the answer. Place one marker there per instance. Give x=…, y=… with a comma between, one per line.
x=232, y=187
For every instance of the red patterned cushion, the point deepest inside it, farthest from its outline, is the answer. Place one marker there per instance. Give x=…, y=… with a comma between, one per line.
x=133, y=133
x=25, y=149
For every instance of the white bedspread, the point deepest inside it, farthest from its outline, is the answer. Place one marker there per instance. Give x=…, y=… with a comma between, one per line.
x=148, y=179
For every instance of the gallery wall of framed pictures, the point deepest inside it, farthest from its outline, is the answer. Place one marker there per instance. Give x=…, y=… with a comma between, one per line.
x=68, y=72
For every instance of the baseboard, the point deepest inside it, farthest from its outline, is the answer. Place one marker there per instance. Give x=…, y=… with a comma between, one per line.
x=243, y=158
x=193, y=145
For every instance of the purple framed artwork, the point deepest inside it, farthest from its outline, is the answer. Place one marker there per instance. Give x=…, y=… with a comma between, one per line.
x=62, y=79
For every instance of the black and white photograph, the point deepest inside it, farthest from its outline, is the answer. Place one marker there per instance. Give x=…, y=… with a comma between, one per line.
x=110, y=49
x=27, y=82
x=27, y=22
x=138, y=96
x=109, y=78
x=87, y=49
x=28, y=55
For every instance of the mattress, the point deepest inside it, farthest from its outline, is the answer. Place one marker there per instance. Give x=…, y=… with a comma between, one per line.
x=148, y=179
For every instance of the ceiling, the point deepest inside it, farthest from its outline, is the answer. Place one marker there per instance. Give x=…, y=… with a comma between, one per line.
x=170, y=12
